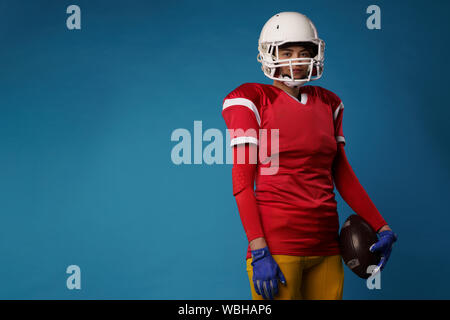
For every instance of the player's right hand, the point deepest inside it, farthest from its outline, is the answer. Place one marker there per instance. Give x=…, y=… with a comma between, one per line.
x=266, y=273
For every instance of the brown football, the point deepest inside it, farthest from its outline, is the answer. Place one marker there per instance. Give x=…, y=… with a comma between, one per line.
x=355, y=239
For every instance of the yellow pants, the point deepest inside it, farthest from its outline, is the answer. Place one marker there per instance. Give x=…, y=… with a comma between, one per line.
x=310, y=278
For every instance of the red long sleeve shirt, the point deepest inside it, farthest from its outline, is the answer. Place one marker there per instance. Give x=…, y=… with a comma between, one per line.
x=294, y=209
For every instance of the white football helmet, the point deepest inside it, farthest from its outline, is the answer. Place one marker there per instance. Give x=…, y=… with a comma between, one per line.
x=287, y=27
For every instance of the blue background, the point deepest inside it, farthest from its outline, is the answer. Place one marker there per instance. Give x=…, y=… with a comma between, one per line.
x=86, y=176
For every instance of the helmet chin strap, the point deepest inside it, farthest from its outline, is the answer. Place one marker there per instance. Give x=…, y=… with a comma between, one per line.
x=291, y=84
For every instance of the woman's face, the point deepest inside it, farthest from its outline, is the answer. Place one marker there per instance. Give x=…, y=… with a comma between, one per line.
x=293, y=52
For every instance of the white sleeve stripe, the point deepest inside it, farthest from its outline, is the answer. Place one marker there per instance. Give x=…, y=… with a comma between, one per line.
x=242, y=102
x=336, y=112
x=240, y=140
x=340, y=139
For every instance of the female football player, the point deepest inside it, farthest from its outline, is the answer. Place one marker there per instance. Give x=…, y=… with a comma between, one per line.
x=290, y=218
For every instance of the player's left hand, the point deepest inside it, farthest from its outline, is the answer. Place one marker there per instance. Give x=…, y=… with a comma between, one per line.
x=384, y=246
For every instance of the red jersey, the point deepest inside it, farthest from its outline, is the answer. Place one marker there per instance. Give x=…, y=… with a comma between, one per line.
x=297, y=204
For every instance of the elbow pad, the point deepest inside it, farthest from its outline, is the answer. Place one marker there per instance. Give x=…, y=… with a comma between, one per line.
x=243, y=177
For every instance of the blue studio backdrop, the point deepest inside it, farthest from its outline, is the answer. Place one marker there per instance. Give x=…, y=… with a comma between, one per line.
x=86, y=119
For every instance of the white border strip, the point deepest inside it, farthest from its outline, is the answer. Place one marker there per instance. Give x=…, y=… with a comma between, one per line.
x=336, y=112
x=240, y=140
x=340, y=139
x=304, y=98
x=242, y=102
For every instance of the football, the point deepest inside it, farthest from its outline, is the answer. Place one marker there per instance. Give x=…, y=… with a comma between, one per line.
x=355, y=238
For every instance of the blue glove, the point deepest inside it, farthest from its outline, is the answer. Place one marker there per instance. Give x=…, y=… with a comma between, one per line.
x=266, y=273
x=384, y=246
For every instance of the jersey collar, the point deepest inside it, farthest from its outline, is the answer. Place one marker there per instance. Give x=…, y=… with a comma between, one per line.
x=303, y=96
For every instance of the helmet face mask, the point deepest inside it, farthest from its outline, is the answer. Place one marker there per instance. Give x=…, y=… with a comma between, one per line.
x=284, y=29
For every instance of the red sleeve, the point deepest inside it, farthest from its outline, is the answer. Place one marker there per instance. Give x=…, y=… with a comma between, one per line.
x=243, y=190
x=352, y=191
x=241, y=112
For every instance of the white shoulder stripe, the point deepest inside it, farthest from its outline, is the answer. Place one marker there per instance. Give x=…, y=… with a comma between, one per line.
x=340, y=139
x=336, y=112
x=240, y=140
x=242, y=102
